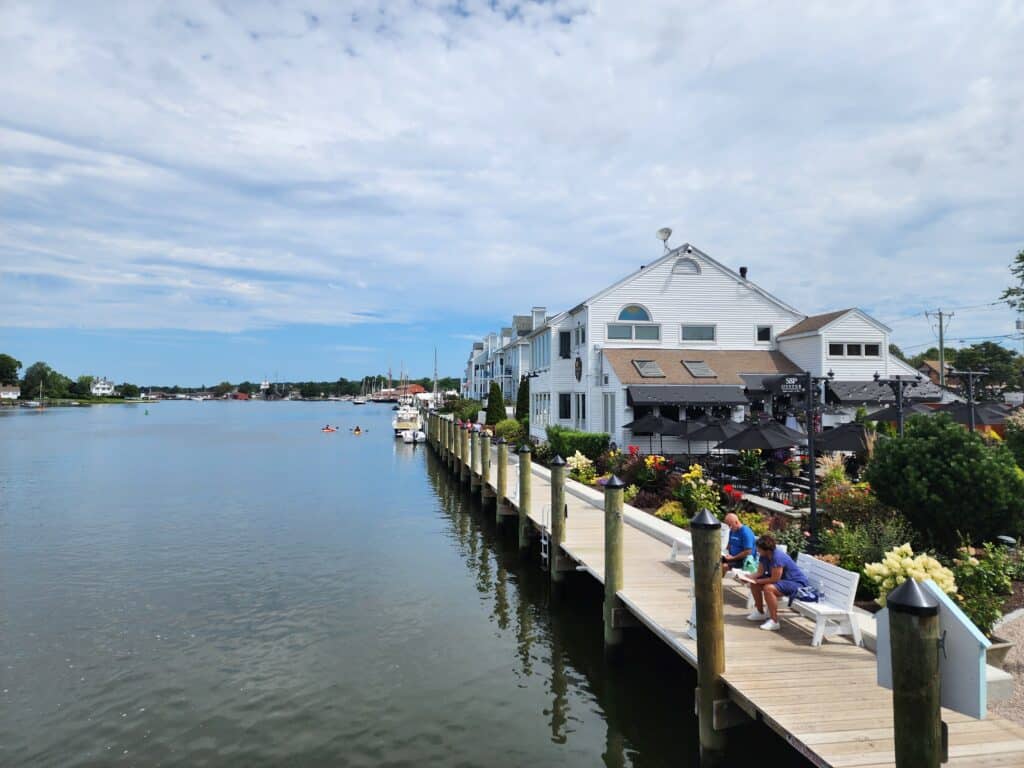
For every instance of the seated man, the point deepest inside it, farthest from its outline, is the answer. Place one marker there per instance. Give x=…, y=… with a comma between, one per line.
x=741, y=543
x=777, y=576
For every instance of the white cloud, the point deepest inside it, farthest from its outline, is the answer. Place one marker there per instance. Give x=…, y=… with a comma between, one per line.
x=241, y=166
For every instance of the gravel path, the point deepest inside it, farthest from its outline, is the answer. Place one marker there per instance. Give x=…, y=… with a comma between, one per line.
x=1014, y=708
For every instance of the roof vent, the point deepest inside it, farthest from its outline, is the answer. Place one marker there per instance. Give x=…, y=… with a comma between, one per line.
x=699, y=369
x=743, y=272
x=686, y=266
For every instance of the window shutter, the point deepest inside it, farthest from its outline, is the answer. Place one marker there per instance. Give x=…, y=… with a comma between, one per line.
x=564, y=344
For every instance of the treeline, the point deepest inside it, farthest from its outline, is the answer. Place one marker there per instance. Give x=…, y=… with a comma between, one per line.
x=40, y=378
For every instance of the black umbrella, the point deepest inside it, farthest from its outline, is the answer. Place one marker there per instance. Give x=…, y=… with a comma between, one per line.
x=766, y=437
x=716, y=431
x=985, y=414
x=847, y=437
x=688, y=428
x=651, y=425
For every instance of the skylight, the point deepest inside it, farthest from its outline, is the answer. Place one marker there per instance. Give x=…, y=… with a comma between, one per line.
x=699, y=369
x=649, y=369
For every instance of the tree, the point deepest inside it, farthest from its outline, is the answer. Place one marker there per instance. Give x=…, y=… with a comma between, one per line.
x=897, y=352
x=9, y=368
x=36, y=377
x=523, y=401
x=83, y=386
x=309, y=390
x=932, y=353
x=223, y=388
x=246, y=387
x=495, y=404
x=947, y=481
x=1003, y=366
x=1014, y=295
x=129, y=390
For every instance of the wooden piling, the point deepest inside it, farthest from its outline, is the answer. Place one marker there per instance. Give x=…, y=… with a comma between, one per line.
x=916, y=702
x=613, y=492
x=464, y=470
x=485, y=465
x=711, y=692
x=474, y=458
x=525, y=464
x=501, y=482
x=557, y=519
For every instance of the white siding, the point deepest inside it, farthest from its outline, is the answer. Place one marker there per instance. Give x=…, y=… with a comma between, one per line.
x=856, y=329
x=805, y=352
x=712, y=297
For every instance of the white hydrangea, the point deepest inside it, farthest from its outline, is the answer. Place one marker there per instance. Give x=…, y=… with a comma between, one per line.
x=900, y=564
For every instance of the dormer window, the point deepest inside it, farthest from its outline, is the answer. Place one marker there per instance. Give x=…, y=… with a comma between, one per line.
x=686, y=266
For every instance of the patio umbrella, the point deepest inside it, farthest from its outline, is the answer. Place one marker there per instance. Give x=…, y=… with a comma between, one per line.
x=985, y=414
x=847, y=437
x=688, y=428
x=651, y=425
x=766, y=437
x=716, y=431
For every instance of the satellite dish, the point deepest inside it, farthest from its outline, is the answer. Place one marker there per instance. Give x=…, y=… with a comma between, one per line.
x=664, y=234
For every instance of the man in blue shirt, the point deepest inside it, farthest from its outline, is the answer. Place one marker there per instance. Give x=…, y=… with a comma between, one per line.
x=741, y=543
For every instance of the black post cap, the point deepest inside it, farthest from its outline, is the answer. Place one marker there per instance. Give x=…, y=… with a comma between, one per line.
x=910, y=597
x=704, y=519
x=615, y=483
x=558, y=461
x=524, y=448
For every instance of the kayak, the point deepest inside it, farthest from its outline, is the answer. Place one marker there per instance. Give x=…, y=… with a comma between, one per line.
x=328, y=429
x=357, y=432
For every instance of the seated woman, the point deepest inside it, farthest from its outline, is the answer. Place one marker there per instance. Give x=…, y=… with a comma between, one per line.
x=777, y=576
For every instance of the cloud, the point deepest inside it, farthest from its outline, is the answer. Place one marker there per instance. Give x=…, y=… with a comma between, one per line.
x=241, y=167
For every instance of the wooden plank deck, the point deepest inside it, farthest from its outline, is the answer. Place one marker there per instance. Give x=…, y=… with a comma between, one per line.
x=824, y=701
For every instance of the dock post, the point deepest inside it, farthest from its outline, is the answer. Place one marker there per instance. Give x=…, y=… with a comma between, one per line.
x=464, y=454
x=613, y=492
x=914, y=644
x=525, y=464
x=557, y=519
x=501, y=483
x=452, y=432
x=711, y=693
x=474, y=458
x=485, y=465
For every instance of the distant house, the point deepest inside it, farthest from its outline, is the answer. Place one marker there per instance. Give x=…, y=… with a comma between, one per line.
x=930, y=368
x=9, y=391
x=102, y=387
x=239, y=395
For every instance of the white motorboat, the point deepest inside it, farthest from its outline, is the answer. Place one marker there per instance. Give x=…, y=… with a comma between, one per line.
x=406, y=419
x=413, y=436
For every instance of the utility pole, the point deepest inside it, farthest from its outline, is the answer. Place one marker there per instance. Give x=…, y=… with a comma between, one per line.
x=944, y=318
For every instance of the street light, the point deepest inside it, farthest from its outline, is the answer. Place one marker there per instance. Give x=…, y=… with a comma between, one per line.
x=897, y=384
x=970, y=376
x=811, y=384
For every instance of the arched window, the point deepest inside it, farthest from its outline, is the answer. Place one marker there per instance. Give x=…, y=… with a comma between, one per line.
x=686, y=266
x=634, y=313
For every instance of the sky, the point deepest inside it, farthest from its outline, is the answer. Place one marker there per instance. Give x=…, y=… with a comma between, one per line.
x=193, y=192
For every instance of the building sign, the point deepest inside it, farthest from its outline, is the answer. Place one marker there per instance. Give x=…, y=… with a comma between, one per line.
x=790, y=385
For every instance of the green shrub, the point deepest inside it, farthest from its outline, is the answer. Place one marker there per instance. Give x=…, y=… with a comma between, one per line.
x=523, y=401
x=629, y=495
x=948, y=481
x=495, y=404
x=463, y=409
x=542, y=453
x=858, y=544
x=982, y=582
x=757, y=522
x=854, y=503
x=565, y=442
x=510, y=429
x=695, y=493
x=1015, y=436
x=673, y=512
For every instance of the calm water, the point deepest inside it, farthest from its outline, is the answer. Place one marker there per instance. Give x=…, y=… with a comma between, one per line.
x=222, y=584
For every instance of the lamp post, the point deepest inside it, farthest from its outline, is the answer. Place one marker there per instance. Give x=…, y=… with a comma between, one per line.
x=811, y=384
x=897, y=384
x=970, y=376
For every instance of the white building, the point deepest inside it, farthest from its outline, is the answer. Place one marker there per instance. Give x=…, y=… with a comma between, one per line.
x=684, y=336
x=499, y=357
x=9, y=391
x=102, y=387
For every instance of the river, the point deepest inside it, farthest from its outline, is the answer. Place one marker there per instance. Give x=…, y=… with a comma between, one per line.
x=222, y=584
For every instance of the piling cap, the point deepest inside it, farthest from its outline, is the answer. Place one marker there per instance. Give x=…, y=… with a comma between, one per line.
x=500, y=441
x=910, y=597
x=558, y=461
x=524, y=448
x=704, y=519
x=614, y=483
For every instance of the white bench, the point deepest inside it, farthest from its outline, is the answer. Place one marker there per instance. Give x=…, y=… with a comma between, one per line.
x=833, y=614
x=679, y=547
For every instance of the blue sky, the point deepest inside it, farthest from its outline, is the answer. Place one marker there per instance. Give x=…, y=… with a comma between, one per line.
x=224, y=191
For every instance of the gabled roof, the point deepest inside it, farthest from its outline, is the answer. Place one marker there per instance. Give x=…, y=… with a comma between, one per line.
x=727, y=365
x=687, y=250
x=813, y=323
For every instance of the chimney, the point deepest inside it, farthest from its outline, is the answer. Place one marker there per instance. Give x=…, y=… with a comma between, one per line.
x=539, y=316
x=743, y=272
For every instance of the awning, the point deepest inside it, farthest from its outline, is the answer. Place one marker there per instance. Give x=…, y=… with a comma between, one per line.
x=686, y=394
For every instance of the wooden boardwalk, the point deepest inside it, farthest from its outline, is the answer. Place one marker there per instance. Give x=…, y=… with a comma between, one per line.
x=823, y=701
